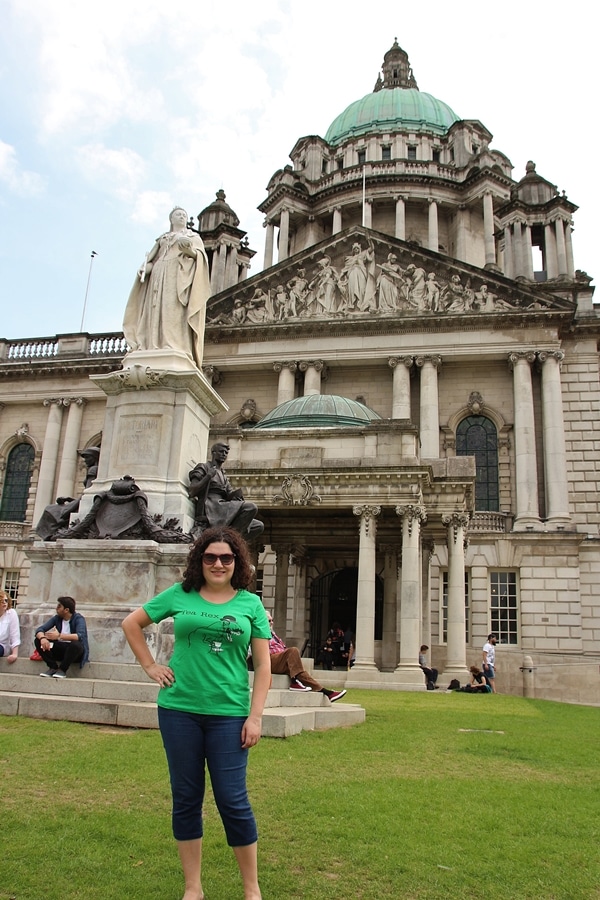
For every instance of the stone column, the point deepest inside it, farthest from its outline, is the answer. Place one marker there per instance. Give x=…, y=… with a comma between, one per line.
x=561, y=250
x=365, y=600
x=286, y=389
x=368, y=213
x=401, y=367
x=461, y=233
x=430, y=418
x=427, y=548
x=281, y=587
x=509, y=262
x=525, y=458
x=569, y=250
x=551, y=257
x=337, y=220
x=555, y=454
x=314, y=371
x=243, y=271
x=488, y=229
x=518, y=262
x=284, y=234
x=231, y=268
x=401, y=218
x=217, y=276
x=413, y=517
x=269, y=243
x=389, y=654
x=433, y=240
x=456, y=659
x=527, y=254
x=45, y=489
x=68, y=461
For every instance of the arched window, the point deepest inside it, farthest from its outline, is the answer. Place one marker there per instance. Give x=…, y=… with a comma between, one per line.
x=16, y=483
x=477, y=436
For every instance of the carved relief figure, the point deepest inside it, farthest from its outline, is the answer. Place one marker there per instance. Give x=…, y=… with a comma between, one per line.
x=297, y=287
x=390, y=283
x=433, y=293
x=167, y=305
x=459, y=298
x=259, y=308
x=417, y=292
x=358, y=278
x=323, y=288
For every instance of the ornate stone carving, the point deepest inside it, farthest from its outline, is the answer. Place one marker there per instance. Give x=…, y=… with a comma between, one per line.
x=368, y=514
x=139, y=378
x=412, y=512
x=351, y=280
x=475, y=403
x=297, y=490
x=455, y=521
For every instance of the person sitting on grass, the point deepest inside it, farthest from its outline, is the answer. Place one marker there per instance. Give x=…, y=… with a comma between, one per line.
x=478, y=683
x=287, y=661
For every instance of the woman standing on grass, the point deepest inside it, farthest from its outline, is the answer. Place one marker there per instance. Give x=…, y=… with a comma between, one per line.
x=204, y=708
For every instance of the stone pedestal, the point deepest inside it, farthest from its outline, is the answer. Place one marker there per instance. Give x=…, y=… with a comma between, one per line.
x=156, y=429
x=107, y=579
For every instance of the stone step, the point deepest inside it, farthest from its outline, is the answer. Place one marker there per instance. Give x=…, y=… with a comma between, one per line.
x=122, y=695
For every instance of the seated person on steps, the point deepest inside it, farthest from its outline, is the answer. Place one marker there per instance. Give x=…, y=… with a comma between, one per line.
x=63, y=639
x=287, y=661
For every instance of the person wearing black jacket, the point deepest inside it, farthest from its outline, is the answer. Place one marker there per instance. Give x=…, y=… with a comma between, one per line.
x=63, y=639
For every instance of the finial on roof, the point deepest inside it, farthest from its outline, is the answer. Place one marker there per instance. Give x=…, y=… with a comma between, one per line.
x=397, y=71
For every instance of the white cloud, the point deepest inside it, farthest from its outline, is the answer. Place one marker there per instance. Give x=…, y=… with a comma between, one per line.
x=17, y=179
x=118, y=171
x=153, y=208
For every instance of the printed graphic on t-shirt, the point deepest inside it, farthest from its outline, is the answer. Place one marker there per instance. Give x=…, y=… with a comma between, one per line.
x=216, y=634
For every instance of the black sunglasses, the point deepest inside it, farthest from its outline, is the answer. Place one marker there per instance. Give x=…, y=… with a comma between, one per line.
x=225, y=558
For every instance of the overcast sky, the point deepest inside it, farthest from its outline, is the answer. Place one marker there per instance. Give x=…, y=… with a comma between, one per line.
x=112, y=113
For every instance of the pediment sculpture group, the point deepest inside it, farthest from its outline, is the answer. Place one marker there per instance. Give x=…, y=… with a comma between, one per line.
x=362, y=285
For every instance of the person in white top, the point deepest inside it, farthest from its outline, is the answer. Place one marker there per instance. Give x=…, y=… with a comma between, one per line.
x=489, y=660
x=10, y=633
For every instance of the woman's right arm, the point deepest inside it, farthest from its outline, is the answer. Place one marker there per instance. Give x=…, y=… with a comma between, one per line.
x=133, y=626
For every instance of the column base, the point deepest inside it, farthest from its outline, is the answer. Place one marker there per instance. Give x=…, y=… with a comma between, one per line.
x=410, y=674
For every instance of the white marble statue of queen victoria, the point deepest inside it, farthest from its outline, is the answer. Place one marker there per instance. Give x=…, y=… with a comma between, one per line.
x=166, y=309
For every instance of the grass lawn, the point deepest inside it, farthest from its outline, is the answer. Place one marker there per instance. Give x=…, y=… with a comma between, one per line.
x=436, y=797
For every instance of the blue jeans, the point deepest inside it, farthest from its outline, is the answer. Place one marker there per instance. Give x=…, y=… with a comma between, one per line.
x=190, y=741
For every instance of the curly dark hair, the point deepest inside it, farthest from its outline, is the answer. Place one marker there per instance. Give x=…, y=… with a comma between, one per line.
x=243, y=572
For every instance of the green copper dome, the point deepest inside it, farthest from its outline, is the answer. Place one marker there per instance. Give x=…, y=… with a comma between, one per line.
x=389, y=110
x=318, y=411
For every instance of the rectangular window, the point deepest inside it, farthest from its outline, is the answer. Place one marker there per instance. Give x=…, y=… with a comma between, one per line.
x=503, y=606
x=340, y=163
x=437, y=156
x=445, y=608
x=324, y=167
x=362, y=156
x=386, y=152
x=412, y=151
x=10, y=582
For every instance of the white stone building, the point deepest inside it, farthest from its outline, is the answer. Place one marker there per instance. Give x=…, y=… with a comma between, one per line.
x=413, y=393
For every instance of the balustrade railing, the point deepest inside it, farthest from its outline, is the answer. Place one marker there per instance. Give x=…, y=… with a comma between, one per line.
x=79, y=345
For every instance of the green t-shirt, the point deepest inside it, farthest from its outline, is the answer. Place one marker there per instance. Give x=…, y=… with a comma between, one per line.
x=210, y=652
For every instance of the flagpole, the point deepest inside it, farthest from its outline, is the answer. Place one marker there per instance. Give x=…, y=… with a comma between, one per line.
x=93, y=254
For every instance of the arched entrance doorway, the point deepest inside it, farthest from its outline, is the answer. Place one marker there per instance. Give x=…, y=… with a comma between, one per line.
x=333, y=599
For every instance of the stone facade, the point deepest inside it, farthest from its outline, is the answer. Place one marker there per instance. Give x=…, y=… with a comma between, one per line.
x=465, y=501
